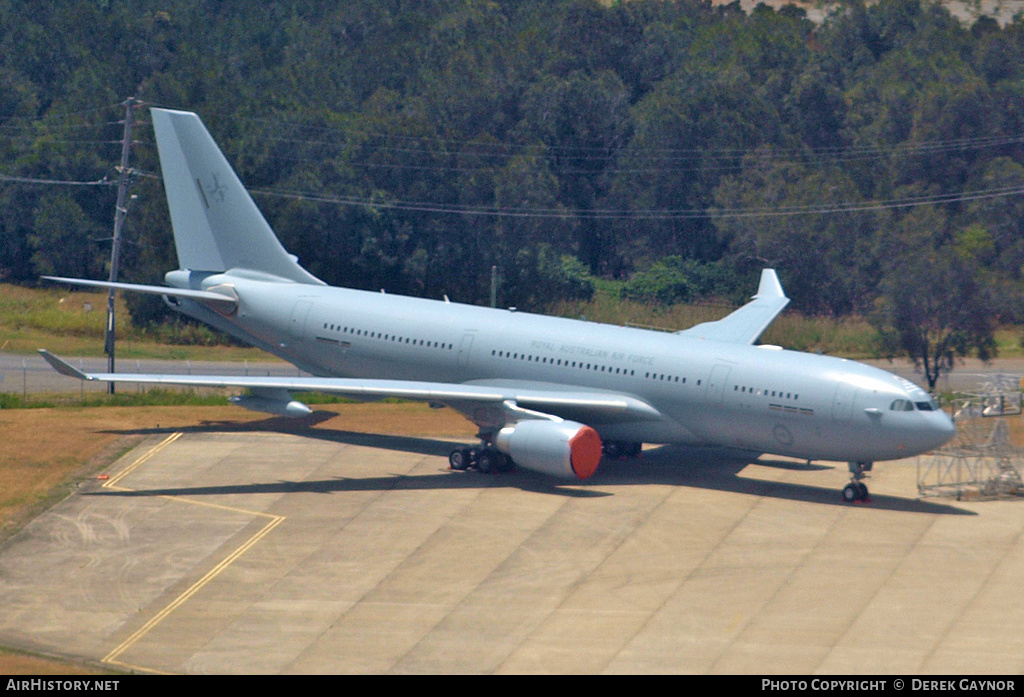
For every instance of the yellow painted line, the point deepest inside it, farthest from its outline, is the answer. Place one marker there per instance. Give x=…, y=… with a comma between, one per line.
x=274, y=521
x=145, y=457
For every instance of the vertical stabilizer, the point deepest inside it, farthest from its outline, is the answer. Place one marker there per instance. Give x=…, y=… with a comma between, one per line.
x=217, y=226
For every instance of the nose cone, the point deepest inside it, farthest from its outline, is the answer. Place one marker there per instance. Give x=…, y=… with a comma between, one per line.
x=922, y=433
x=940, y=430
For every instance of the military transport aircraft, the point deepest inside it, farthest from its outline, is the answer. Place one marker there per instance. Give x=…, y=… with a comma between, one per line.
x=548, y=394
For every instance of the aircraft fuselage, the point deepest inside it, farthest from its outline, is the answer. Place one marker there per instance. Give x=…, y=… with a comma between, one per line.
x=756, y=398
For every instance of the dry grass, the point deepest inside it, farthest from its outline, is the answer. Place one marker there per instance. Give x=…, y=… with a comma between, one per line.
x=13, y=663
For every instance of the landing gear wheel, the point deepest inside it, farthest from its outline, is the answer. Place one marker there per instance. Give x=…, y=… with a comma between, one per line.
x=505, y=463
x=855, y=491
x=490, y=461
x=851, y=493
x=458, y=459
x=487, y=462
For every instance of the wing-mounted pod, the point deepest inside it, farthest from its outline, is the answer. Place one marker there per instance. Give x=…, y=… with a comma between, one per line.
x=272, y=401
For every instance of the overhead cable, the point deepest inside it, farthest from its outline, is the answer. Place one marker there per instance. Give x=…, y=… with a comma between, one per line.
x=59, y=182
x=653, y=214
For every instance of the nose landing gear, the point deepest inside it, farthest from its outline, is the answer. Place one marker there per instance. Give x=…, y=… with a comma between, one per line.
x=857, y=490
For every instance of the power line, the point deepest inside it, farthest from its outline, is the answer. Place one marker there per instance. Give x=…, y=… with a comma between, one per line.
x=60, y=182
x=456, y=147
x=653, y=214
x=381, y=151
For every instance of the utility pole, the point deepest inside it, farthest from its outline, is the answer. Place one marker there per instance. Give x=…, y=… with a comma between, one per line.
x=121, y=210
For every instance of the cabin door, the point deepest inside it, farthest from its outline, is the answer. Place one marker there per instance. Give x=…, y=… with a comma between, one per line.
x=297, y=326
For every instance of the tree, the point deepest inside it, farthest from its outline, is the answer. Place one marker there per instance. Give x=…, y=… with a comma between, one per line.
x=688, y=131
x=767, y=218
x=934, y=309
x=63, y=239
x=579, y=119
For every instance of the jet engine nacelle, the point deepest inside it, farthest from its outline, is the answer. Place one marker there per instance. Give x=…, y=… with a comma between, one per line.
x=278, y=407
x=558, y=448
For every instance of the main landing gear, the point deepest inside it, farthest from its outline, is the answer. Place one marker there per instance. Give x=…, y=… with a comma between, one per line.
x=618, y=448
x=857, y=490
x=486, y=458
x=481, y=458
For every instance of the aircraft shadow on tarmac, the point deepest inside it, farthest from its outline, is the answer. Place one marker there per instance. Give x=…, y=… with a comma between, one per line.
x=705, y=468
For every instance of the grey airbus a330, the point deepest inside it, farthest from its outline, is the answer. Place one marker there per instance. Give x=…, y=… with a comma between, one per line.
x=548, y=394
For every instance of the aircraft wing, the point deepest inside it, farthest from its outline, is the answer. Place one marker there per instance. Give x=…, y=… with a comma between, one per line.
x=746, y=324
x=599, y=407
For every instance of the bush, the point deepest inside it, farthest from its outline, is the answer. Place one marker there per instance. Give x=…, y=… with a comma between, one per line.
x=540, y=275
x=676, y=280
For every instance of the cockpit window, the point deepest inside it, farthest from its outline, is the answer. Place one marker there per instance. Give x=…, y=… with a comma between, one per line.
x=928, y=406
x=901, y=405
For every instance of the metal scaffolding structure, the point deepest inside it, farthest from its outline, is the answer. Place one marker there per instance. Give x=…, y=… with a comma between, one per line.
x=981, y=462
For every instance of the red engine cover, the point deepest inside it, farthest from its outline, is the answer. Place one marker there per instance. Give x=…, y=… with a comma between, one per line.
x=585, y=452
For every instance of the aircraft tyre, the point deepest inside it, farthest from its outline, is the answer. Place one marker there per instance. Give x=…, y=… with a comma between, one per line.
x=505, y=463
x=489, y=461
x=855, y=491
x=485, y=462
x=850, y=493
x=458, y=459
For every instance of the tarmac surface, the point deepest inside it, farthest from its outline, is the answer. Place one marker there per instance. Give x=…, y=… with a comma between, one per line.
x=214, y=552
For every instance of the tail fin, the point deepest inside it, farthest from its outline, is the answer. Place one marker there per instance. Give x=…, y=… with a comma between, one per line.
x=217, y=226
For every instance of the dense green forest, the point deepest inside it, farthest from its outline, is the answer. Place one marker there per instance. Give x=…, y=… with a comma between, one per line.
x=875, y=159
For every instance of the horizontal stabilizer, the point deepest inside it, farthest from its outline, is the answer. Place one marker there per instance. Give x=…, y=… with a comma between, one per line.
x=223, y=303
x=746, y=324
